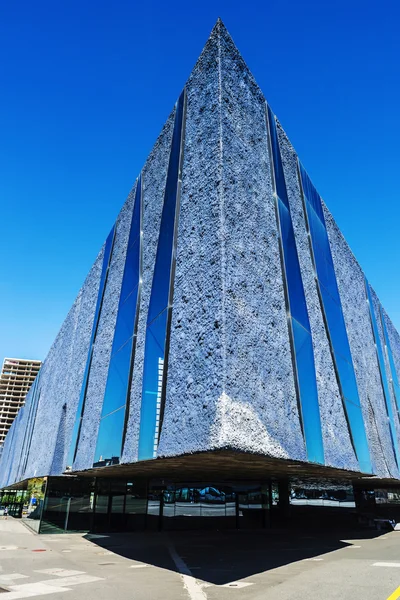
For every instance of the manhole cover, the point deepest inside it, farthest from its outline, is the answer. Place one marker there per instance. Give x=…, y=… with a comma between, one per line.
x=39, y=550
x=106, y=564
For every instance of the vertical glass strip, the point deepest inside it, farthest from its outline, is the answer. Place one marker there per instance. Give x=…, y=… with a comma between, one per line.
x=394, y=379
x=382, y=370
x=331, y=307
x=82, y=398
x=160, y=304
x=115, y=412
x=298, y=321
x=30, y=424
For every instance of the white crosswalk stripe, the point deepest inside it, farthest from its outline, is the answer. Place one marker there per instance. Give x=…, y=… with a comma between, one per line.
x=63, y=583
x=5, y=577
x=60, y=572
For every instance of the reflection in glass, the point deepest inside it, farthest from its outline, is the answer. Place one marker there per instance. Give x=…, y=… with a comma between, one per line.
x=299, y=324
x=327, y=493
x=160, y=304
x=110, y=438
x=36, y=493
x=30, y=424
x=333, y=314
x=100, y=295
x=393, y=372
x=382, y=371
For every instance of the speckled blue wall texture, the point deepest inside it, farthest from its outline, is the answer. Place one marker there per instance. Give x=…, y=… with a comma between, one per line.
x=228, y=366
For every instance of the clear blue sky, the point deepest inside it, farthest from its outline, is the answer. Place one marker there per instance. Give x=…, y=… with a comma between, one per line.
x=87, y=85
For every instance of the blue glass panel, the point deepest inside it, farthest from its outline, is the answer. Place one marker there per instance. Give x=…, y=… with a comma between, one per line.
x=319, y=233
x=382, y=370
x=336, y=327
x=311, y=193
x=322, y=253
x=304, y=367
x=162, y=268
x=32, y=411
x=109, y=438
x=393, y=372
x=336, y=324
x=359, y=438
x=280, y=183
x=122, y=355
x=297, y=301
x=347, y=379
x=156, y=348
x=152, y=386
x=309, y=393
x=117, y=380
x=81, y=403
x=326, y=273
x=136, y=223
x=132, y=269
x=124, y=328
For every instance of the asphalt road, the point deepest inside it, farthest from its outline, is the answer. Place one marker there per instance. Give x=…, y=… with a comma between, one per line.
x=284, y=565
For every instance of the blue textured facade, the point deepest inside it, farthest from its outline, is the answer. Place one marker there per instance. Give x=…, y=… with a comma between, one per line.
x=225, y=312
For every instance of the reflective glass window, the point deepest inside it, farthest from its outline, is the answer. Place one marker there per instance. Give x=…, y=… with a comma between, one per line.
x=393, y=372
x=382, y=370
x=162, y=269
x=297, y=300
x=124, y=329
x=116, y=397
x=347, y=379
x=311, y=193
x=30, y=424
x=303, y=359
x=336, y=327
x=308, y=385
x=118, y=379
x=108, y=447
x=156, y=350
x=326, y=274
x=280, y=183
x=152, y=386
x=356, y=423
x=81, y=403
x=319, y=233
x=132, y=270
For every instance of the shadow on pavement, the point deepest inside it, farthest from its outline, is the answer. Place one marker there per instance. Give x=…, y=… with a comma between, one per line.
x=219, y=557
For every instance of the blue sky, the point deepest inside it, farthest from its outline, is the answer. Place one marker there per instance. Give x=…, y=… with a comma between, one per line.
x=87, y=85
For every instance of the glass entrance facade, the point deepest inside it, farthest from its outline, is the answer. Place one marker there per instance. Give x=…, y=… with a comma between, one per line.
x=109, y=505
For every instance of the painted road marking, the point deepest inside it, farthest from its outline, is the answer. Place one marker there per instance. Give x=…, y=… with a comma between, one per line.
x=236, y=584
x=313, y=559
x=60, y=572
x=386, y=564
x=394, y=595
x=12, y=577
x=351, y=547
x=28, y=590
x=8, y=547
x=138, y=566
x=74, y=580
x=193, y=587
